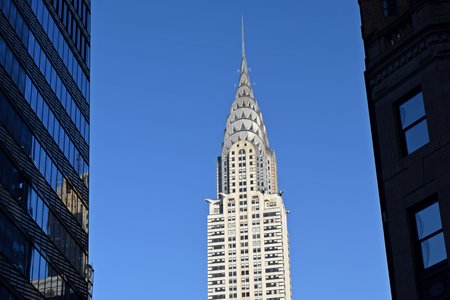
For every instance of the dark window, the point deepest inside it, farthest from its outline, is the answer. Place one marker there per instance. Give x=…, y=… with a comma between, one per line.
x=430, y=237
x=413, y=123
x=389, y=7
x=5, y=294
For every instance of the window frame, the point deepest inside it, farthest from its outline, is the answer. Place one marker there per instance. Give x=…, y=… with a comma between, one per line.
x=402, y=131
x=389, y=8
x=417, y=242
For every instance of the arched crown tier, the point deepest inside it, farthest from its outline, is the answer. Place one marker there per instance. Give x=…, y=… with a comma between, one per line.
x=245, y=123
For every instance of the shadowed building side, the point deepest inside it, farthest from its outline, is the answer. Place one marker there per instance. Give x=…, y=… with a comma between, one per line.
x=407, y=49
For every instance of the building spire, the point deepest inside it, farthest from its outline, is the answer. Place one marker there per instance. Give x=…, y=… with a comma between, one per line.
x=243, y=39
x=244, y=76
x=245, y=123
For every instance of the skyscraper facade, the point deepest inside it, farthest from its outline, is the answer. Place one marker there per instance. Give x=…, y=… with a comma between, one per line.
x=44, y=149
x=248, y=250
x=407, y=49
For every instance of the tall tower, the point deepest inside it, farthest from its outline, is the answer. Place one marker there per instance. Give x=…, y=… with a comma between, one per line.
x=407, y=49
x=248, y=249
x=44, y=149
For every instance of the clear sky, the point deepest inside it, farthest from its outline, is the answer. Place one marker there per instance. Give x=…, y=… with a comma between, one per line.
x=163, y=80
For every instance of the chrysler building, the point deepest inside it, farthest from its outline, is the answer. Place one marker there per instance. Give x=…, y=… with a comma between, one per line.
x=248, y=247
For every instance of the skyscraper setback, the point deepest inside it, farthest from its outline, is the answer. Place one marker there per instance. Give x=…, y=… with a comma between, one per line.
x=44, y=149
x=248, y=250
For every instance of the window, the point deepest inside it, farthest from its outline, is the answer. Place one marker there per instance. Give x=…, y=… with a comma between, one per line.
x=430, y=236
x=389, y=8
x=413, y=123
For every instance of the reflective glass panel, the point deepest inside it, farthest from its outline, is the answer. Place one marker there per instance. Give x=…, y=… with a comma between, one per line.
x=428, y=220
x=433, y=250
x=412, y=110
x=36, y=261
x=416, y=136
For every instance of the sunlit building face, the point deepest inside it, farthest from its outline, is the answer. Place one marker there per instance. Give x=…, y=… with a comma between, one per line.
x=248, y=246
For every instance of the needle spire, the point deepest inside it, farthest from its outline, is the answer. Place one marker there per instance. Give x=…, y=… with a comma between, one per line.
x=243, y=40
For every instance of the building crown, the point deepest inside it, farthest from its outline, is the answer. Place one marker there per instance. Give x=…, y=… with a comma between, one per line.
x=245, y=123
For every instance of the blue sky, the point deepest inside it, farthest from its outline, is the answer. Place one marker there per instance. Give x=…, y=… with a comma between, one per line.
x=163, y=79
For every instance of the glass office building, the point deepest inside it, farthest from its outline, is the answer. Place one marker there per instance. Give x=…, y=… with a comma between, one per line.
x=44, y=149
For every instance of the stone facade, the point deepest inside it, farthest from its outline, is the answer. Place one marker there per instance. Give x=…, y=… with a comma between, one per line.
x=407, y=80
